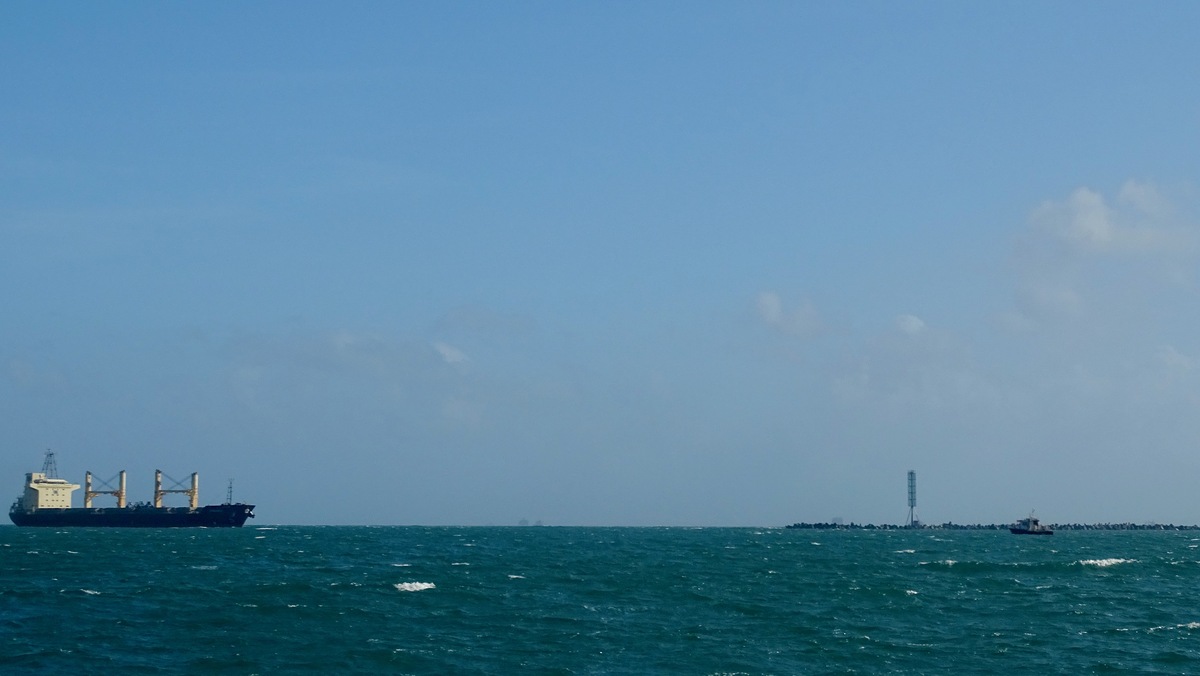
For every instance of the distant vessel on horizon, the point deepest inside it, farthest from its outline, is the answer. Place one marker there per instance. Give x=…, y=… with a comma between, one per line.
x=1030, y=526
x=46, y=501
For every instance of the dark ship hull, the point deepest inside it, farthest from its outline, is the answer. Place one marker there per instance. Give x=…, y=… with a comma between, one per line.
x=138, y=516
x=1026, y=531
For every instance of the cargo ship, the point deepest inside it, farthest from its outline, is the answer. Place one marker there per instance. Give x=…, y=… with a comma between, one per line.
x=47, y=502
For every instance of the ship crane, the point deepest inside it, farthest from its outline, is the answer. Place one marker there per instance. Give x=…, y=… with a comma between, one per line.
x=193, y=493
x=118, y=492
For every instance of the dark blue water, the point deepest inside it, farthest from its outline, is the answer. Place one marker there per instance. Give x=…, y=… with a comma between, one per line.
x=596, y=601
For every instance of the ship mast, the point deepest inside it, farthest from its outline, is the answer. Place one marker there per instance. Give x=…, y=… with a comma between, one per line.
x=49, y=466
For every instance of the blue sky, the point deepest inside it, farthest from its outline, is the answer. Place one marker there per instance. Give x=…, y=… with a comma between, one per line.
x=607, y=263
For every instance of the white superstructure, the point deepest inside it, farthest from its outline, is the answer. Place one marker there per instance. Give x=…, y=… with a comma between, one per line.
x=46, y=492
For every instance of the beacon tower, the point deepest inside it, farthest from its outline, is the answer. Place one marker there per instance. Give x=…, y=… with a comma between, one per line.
x=913, y=522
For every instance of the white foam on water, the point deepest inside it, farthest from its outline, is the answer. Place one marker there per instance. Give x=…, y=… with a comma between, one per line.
x=413, y=586
x=911, y=592
x=906, y=551
x=516, y=577
x=266, y=528
x=460, y=563
x=1167, y=627
x=402, y=565
x=1104, y=563
x=90, y=592
x=260, y=537
x=815, y=544
x=203, y=567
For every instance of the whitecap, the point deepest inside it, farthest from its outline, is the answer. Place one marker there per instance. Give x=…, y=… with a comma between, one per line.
x=402, y=565
x=1104, y=563
x=90, y=592
x=413, y=586
x=1187, y=625
x=906, y=551
x=911, y=592
x=460, y=563
x=516, y=577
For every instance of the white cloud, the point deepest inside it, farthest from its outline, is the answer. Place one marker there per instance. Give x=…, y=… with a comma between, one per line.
x=451, y=354
x=910, y=324
x=1175, y=360
x=1074, y=244
x=803, y=321
x=1086, y=224
x=1082, y=221
x=1146, y=198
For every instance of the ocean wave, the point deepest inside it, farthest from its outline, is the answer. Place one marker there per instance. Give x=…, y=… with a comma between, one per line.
x=1104, y=563
x=1185, y=625
x=413, y=586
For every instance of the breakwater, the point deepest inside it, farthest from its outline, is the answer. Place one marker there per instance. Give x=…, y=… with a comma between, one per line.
x=993, y=526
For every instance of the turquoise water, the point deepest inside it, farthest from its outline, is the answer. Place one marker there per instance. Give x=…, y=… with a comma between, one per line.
x=596, y=601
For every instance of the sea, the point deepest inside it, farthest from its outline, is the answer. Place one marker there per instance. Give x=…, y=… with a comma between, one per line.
x=559, y=600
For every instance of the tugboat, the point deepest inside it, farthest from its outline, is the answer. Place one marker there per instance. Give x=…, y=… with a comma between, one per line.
x=1030, y=526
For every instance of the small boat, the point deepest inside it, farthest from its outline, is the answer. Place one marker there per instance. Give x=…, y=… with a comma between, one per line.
x=1030, y=526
